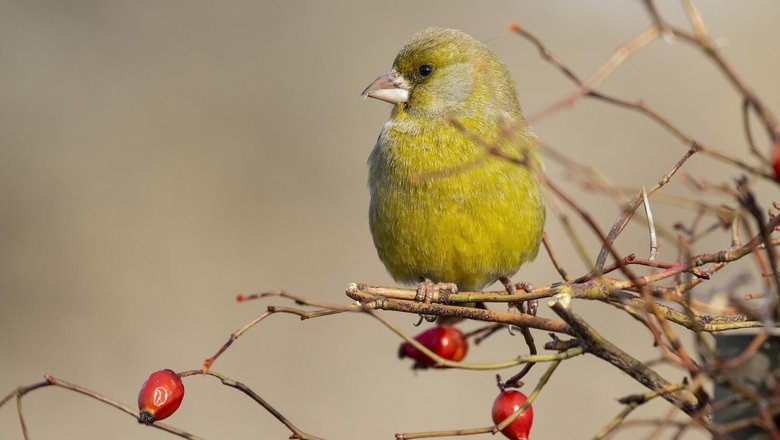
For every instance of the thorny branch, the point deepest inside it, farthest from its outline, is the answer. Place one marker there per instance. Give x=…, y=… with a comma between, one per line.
x=20, y=392
x=655, y=292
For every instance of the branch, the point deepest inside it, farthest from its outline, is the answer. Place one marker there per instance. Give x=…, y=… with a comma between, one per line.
x=702, y=41
x=597, y=345
x=52, y=381
x=633, y=402
x=519, y=319
x=297, y=433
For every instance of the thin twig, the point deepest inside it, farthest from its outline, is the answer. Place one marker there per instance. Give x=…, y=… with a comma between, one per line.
x=696, y=20
x=586, y=88
x=632, y=205
x=633, y=402
x=746, y=106
x=232, y=338
x=650, y=226
x=711, y=51
x=514, y=381
x=326, y=309
x=297, y=433
x=553, y=258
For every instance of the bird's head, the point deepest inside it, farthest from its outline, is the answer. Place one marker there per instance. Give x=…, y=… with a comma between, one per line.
x=445, y=72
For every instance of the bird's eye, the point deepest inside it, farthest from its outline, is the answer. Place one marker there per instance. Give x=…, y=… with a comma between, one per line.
x=425, y=70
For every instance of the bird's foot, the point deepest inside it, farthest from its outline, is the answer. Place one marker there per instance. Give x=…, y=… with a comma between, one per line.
x=426, y=291
x=529, y=307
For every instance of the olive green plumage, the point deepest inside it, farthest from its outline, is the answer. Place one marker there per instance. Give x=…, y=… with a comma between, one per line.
x=441, y=208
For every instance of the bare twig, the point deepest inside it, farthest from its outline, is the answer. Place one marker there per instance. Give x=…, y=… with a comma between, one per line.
x=586, y=88
x=633, y=402
x=650, y=226
x=768, y=118
x=296, y=432
x=554, y=259
x=696, y=20
x=325, y=310
x=632, y=205
x=514, y=381
x=746, y=106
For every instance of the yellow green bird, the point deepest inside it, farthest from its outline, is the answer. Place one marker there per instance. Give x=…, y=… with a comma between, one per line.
x=444, y=210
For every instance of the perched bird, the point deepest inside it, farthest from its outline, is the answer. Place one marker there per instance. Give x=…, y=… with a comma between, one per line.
x=444, y=210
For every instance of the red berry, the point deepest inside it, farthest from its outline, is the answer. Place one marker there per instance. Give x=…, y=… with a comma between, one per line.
x=504, y=406
x=160, y=396
x=446, y=341
x=776, y=161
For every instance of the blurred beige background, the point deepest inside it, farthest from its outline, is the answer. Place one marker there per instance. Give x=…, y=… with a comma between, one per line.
x=156, y=158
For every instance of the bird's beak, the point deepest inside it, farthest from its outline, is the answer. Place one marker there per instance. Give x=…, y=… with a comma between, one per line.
x=390, y=87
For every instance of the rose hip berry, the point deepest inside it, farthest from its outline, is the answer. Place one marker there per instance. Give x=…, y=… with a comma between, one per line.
x=160, y=396
x=446, y=341
x=504, y=406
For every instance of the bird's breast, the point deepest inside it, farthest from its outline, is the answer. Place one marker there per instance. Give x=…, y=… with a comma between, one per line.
x=442, y=208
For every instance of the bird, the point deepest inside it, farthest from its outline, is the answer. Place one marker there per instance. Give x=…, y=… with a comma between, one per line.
x=446, y=211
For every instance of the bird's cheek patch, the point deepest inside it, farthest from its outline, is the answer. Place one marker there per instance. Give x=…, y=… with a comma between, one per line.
x=456, y=84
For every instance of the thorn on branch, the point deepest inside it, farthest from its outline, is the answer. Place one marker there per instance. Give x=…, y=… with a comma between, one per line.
x=561, y=345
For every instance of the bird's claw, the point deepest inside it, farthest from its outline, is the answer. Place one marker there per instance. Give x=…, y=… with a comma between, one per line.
x=530, y=307
x=425, y=294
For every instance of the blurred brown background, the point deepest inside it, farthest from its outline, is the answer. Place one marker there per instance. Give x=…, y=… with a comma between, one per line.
x=156, y=158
